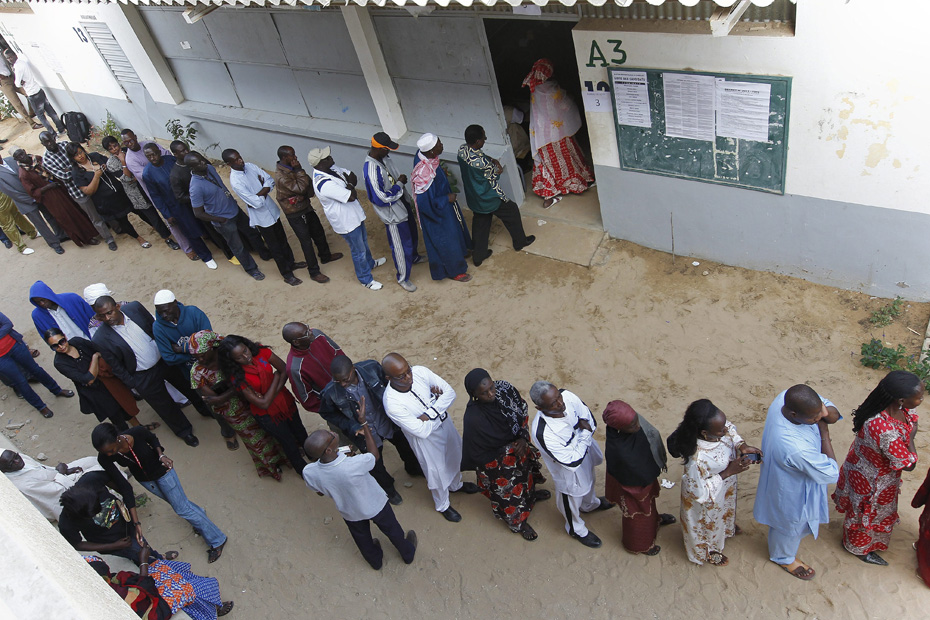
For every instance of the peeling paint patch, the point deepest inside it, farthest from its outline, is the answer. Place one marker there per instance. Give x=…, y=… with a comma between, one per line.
x=896, y=163
x=852, y=106
x=877, y=152
x=841, y=152
x=842, y=133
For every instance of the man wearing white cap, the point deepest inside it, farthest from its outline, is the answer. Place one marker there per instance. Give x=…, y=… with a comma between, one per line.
x=335, y=188
x=444, y=231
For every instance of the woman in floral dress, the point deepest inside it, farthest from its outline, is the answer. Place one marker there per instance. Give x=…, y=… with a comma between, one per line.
x=870, y=479
x=208, y=380
x=713, y=455
x=496, y=444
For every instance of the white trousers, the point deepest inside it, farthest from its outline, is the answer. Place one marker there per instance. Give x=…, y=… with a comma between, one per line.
x=571, y=507
x=441, y=496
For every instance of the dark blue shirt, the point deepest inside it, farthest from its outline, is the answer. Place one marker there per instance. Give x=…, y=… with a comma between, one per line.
x=210, y=193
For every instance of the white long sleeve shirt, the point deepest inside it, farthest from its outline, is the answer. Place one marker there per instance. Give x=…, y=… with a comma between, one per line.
x=43, y=485
x=263, y=212
x=435, y=441
x=570, y=454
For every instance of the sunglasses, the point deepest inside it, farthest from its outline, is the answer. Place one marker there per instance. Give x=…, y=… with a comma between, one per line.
x=56, y=345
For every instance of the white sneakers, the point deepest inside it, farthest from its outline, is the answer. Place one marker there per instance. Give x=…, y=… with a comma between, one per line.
x=379, y=262
x=374, y=285
x=211, y=264
x=27, y=252
x=408, y=286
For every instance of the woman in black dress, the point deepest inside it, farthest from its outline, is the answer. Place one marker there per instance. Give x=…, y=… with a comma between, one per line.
x=90, y=174
x=78, y=359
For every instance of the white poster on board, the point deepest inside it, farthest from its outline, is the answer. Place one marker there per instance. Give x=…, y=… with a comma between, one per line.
x=632, y=95
x=689, y=106
x=743, y=110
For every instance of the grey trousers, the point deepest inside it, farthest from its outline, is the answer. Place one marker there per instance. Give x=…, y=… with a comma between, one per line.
x=51, y=231
x=87, y=205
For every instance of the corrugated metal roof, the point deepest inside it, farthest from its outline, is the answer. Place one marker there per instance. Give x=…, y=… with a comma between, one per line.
x=402, y=3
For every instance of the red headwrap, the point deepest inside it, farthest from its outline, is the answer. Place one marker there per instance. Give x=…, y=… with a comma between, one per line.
x=618, y=414
x=540, y=72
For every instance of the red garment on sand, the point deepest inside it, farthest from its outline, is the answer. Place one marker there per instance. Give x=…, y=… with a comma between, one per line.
x=640, y=514
x=870, y=480
x=259, y=375
x=560, y=168
x=67, y=212
x=923, y=538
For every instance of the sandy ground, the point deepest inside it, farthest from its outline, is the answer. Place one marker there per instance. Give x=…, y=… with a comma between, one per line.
x=638, y=328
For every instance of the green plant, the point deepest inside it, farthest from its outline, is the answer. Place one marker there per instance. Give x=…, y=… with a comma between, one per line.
x=885, y=315
x=6, y=108
x=184, y=132
x=453, y=181
x=876, y=355
x=109, y=128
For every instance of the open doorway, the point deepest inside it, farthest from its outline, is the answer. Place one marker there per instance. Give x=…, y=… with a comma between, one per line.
x=515, y=45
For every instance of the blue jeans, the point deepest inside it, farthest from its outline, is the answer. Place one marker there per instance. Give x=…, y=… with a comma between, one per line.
x=169, y=488
x=361, y=254
x=12, y=367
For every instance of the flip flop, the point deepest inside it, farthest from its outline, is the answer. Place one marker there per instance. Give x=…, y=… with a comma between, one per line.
x=462, y=277
x=715, y=558
x=171, y=555
x=146, y=244
x=666, y=519
x=214, y=554
x=653, y=550
x=528, y=532
x=152, y=426
x=232, y=444
x=802, y=571
x=34, y=352
x=225, y=608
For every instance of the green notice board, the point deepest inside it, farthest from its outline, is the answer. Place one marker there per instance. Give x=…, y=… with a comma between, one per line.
x=740, y=161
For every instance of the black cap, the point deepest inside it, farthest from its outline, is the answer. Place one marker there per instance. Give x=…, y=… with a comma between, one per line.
x=383, y=141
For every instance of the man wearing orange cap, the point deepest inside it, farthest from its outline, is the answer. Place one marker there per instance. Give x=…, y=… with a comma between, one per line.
x=387, y=191
x=635, y=456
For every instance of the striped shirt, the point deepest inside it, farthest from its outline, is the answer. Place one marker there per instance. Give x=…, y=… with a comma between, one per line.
x=59, y=166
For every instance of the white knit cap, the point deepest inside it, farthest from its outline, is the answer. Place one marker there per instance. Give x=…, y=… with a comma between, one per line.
x=427, y=141
x=315, y=156
x=95, y=291
x=164, y=296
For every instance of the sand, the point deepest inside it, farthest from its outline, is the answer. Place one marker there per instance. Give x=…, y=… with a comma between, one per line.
x=640, y=328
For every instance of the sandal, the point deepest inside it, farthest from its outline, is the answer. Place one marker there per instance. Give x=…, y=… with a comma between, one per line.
x=171, y=555
x=553, y=200
x=528, y=532
x=653, y=550
x=152, y=426
x=214, y=554
x=34, y=352
x=666, y=519
x=145, y=244
x=232, y=444
x=193, y=255
x=225, y=608
x=462, y=277
x=737, y=530
x=716, y=558
x=801, y=570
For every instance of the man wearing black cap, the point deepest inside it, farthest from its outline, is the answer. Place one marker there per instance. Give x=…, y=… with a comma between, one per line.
x=388, y=194
x=294, y=190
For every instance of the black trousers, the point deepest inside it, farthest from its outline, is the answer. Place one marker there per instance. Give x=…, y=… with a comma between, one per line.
x=509, y=214
x=180, y=379
x=414, y=233
x=291, y=434
x=387, y=523
x=276, y=240
x=151, y=217
x=151, y=386
x=125, y=226
x=250, y=237
x=218, y=240
x=309, y=230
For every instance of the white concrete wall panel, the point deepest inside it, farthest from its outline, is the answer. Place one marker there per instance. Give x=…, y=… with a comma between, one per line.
x=337, y=96
x=247, y=36
x=173, y=34
x=445, y=109
x=204, y=80
x=317, y=40
x=267, y=88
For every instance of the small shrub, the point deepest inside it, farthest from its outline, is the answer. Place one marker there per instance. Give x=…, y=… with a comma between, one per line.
x=886, y=315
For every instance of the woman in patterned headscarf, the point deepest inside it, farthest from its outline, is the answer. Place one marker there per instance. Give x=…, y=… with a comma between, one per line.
x=218, y=393
x=559, y=166
x=496, y=444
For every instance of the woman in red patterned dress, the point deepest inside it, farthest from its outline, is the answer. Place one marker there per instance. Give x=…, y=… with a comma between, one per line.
x=870, y=479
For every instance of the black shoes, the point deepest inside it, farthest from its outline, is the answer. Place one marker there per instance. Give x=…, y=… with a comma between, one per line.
x=332, y=257
x=412, y=539
x=873, y=558
x=478, y=262
x=468, y=487
x=452, y=515
x=65, y=393
x=192, y=441
x=604, y=505
x=589, y=540
x=529, y=241
x=171, y=243
x=395, y=498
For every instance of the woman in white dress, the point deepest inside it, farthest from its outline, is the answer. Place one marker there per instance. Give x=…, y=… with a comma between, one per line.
x=713, y=455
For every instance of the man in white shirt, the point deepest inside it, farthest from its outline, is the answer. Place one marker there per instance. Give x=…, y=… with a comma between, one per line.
x=25, y=78
x=335, y=188
x=253, y=185
x=359, y=499
x=563, y=430
x=417, y=400
x=43, y=485
x=12, y=93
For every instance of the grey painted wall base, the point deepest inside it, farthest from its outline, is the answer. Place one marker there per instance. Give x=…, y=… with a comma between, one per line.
x=882, y=252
